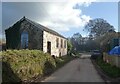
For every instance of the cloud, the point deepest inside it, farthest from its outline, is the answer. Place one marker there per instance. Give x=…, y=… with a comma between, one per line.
x=64, y=16
x=59, y=16
x=55, y=0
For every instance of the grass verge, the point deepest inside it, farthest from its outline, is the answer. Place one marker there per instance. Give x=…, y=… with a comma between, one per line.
x=110, y=70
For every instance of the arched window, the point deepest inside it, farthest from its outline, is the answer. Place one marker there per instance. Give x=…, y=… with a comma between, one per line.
x=24, y=40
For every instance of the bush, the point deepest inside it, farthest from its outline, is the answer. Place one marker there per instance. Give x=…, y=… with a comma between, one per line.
x=60, y=61
x=26, y=64
x=48, y=68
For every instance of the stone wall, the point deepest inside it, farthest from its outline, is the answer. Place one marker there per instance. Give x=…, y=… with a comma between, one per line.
x=35, y=35
x=56, y=51
x=112, y=59
x=37, y=38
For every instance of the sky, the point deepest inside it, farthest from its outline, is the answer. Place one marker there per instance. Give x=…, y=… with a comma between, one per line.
x=65, y=17
x=119, y=16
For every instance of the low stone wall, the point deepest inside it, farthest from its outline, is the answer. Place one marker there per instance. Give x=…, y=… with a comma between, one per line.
x=112, y=59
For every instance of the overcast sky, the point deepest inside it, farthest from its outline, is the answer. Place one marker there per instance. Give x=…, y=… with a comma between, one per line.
x=64, y=17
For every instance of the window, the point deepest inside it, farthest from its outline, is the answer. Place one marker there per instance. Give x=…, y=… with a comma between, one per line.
x=61, y=43
x=57, y=42
x=64, y=43
x=119, y=41
x=24, y=40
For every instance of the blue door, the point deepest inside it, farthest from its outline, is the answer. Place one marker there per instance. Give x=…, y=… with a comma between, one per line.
x=24, y=40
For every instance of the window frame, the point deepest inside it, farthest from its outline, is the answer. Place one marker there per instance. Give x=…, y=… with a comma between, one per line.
x=65, y=43
x=61, y=43
x=24, y=39
x=57, y=42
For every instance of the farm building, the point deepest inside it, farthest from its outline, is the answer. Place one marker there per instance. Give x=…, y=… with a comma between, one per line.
x=27, y=34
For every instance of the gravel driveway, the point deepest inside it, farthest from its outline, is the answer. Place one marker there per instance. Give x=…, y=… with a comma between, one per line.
x=78, y=70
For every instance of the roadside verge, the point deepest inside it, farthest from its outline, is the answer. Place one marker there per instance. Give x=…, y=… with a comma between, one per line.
x=105, y=77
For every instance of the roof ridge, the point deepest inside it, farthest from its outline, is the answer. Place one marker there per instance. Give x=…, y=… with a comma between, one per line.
x=44, y=28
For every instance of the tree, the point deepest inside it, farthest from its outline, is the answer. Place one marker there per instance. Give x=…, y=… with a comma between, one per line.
x=98, y=27
x=105, y=40
x=77, y=38
x=69, y=47
x=76, y=41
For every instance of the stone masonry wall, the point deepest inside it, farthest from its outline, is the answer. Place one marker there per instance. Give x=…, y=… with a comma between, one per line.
x=54, y=50
x=35, y=35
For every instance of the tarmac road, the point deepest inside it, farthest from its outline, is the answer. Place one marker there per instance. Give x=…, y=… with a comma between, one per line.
x=78, y=70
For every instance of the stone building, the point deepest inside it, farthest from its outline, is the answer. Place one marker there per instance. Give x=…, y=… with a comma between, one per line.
x=27, y=34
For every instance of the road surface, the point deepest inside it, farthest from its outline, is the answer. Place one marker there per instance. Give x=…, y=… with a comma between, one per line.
x=78, y=70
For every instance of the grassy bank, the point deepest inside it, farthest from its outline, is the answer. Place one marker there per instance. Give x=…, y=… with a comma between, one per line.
x=111, y=71
x=20, y=65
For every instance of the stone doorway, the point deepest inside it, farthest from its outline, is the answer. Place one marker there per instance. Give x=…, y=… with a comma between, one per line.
x=49, y=47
